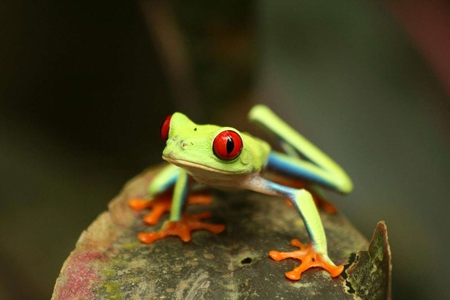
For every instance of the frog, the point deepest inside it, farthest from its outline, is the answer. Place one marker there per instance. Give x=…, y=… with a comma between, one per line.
x=226, y=159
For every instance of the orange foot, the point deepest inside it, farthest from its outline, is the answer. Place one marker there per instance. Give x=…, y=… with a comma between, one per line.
x=162, y=203
x=324, y=204
x=182, y=228
x=309, y=257
x=159, y=206
x=203, y=198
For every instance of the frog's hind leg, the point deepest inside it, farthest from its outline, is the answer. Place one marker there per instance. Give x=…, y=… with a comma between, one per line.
x=312, y=255
x=302, y=159
x=299, y=174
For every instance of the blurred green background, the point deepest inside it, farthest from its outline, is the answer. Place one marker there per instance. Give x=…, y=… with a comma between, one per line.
x=85, y=84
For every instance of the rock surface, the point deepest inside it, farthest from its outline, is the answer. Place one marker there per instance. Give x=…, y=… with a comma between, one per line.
x=110, y=263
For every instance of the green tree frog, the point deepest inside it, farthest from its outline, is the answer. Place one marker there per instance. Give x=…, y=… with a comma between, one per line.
x=224, y=158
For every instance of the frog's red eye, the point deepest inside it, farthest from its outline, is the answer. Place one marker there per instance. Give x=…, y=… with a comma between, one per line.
x=227, y=145
x=165, y=127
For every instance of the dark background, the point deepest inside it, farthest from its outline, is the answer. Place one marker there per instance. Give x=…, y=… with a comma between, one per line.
x=85, y=84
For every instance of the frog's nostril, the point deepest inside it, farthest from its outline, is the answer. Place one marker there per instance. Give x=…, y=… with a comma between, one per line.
x=183, y=144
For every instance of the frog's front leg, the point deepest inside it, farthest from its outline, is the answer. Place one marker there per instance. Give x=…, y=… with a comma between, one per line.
x=313, y=255
x=159, y=191
x=181, y=224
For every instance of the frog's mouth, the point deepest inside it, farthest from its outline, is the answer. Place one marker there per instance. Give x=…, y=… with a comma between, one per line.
x=193, y=167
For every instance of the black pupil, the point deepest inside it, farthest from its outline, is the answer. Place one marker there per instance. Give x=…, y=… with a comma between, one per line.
x=230, y=145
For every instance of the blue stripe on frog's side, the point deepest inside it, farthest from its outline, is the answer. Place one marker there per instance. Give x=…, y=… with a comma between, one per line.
x=284, y=164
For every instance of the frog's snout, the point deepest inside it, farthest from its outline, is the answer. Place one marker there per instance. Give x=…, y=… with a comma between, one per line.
x=174, y=143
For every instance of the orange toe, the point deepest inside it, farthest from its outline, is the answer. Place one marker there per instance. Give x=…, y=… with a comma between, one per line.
x=162, y=204
x=309, y=258
x=182, y=228
x=138, y=204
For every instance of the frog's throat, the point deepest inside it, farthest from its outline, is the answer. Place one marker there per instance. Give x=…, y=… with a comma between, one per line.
x=191, y=165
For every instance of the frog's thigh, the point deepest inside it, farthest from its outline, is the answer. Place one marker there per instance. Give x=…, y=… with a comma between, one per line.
x=296, y=168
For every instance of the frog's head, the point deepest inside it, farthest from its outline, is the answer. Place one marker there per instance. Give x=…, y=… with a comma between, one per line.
x=210, y=147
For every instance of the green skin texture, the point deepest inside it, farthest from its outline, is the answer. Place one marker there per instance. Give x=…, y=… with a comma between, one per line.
x=189, y=152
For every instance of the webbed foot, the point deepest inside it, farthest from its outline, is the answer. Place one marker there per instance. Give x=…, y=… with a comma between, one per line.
x=162, y=204
x=309, y=257
x=159, y=205
x=324, y=204
x=182, y=228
